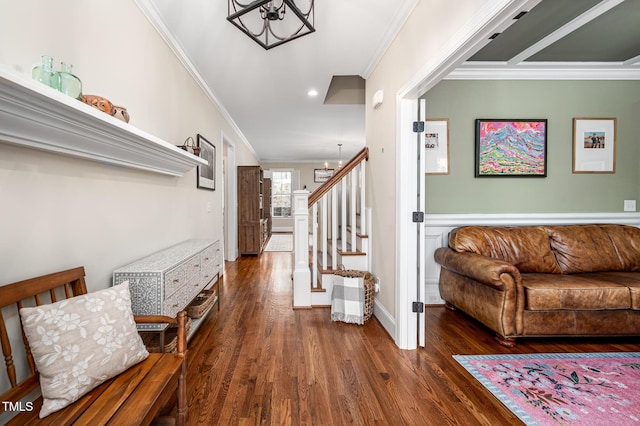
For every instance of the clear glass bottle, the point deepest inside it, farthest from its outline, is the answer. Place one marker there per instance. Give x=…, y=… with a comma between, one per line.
x=45, y=74
x=69, y=83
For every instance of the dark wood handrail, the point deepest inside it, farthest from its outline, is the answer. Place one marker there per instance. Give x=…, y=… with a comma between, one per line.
x=337, y=177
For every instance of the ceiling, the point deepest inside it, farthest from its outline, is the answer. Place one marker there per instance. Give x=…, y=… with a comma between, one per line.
x=264, y=92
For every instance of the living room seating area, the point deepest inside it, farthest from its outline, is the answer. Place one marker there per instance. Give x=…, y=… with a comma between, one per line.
x=569, y=280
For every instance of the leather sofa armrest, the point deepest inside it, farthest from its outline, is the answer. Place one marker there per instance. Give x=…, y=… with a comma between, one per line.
x=485, y=270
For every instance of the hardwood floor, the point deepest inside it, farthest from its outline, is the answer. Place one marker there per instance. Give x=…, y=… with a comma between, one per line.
x=260, y=362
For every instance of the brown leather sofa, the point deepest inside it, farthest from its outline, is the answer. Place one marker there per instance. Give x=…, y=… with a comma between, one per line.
x=576, y=280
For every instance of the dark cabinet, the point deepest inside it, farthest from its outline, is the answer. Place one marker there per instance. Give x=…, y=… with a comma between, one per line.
x=254, y=210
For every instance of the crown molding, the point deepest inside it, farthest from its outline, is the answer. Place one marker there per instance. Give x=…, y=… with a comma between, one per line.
x=153, y=16
x=399, y=19
x=545, y=71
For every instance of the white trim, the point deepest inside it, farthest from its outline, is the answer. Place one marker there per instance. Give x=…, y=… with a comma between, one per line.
x=231, y=200
x=546, y=71
x=151, y=13
x=492, y=17
x=399, y=19
x=36, y=116
x=438, y=227
x=406, y=256
x=385, y=318
x=522, y=219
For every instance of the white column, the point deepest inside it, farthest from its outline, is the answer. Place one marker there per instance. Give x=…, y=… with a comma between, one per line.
x=301, y=271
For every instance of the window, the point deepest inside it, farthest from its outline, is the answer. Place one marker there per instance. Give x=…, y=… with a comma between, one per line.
x=281, y=193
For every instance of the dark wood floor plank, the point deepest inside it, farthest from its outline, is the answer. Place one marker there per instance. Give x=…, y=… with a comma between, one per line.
x=260, y=362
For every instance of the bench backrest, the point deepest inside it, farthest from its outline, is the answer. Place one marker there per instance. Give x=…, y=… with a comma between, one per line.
x=34, y=291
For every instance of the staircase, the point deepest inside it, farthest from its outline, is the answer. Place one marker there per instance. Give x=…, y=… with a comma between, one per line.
x=330, y=229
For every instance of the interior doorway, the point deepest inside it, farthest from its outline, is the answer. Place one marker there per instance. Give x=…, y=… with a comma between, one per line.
x=230, y=199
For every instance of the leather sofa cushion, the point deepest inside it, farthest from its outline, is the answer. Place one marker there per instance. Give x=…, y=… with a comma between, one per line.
x=583, y=248
x=584, y=292
x=629, y=279
x=527, y=248
x=626, y=240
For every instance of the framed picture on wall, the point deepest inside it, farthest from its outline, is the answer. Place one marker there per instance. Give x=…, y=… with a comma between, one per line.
x=322, y=175
x=207, y=174
x=594, y=145
x=436, y=144
x=508, y=147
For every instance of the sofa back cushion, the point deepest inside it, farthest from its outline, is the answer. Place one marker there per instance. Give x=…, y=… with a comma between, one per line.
x=527, y=247
x=584, y=248
x=626, y=240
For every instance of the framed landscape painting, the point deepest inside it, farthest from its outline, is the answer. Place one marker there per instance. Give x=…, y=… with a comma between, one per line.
x=508, y=147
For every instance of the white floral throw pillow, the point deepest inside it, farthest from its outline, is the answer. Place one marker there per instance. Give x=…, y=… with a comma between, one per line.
x=79, y=343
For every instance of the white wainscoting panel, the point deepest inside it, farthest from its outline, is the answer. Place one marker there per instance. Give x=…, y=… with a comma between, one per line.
x=438, y=226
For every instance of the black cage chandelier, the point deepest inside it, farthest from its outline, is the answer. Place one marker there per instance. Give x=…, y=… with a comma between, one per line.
x=268, y=23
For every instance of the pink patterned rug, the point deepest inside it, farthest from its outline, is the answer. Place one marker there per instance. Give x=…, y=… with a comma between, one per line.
x=563, y=389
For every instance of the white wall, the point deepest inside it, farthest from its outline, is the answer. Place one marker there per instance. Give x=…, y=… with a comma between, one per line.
x=59, y=212
x=430, y=27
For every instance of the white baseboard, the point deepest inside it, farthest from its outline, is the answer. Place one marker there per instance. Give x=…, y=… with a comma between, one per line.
x=385, y=318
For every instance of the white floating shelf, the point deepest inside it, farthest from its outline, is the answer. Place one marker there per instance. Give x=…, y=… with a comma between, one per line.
x=36, y=116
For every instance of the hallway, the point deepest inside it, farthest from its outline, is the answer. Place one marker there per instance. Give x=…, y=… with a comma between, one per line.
x=260, y=362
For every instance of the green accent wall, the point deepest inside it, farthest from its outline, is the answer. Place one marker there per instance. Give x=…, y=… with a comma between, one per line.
x=562, y=191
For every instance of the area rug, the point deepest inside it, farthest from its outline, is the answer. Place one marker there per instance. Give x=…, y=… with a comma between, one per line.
x=563, y=389
x=280, y=242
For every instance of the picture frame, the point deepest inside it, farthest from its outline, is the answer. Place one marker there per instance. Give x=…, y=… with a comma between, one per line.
x=322, y=175
x=436, y=144
x=594, y=145
x=511, y=147
x=207, y=174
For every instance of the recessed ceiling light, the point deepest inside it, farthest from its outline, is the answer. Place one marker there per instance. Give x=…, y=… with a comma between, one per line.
x=312, y=93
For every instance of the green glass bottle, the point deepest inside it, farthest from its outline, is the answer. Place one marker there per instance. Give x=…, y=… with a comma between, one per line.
x=45, y=74
x=69, y=83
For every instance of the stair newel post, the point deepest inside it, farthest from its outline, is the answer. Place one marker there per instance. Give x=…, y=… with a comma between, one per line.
x=301, y=271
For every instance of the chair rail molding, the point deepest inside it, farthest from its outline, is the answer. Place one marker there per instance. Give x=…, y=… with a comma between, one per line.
x=438, y=227
x=36, y=116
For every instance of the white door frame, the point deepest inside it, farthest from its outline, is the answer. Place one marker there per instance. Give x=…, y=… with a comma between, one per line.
x=230, y=201
x=495, y=16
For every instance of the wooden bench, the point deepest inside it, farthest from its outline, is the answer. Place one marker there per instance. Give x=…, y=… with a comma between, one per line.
x=135, y=397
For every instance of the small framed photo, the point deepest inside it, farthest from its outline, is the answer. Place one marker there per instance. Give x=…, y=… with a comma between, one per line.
x=436, y=144
x=322, y=175
x=207, y=174
x=594, y=145
x=508, y=147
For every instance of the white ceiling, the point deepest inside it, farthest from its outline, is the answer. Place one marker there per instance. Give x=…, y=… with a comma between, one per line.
x=264, y=92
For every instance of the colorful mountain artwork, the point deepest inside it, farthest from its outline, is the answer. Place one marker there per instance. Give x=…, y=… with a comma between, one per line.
x=511, y=148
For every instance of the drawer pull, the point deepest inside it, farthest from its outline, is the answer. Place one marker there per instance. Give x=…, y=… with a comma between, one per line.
x=206, y=258
x=176, y=280
x=196, y=266
x=175, y=305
